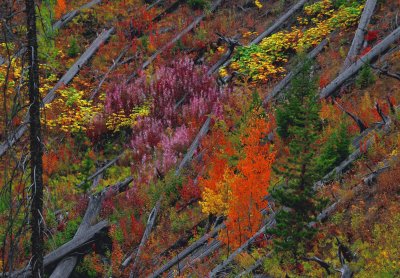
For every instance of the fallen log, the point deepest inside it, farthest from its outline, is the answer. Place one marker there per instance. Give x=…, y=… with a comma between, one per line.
x=279, y=22
x=101, y=170
x=67, y=248
x=243, y=247
x=274, y=27
x=249, y=270
x=285, y=81
x=355, y=67
x=67, y=265
x=188, y=156
x=358, y=40
x=150, y=223
x=168, y=10
x=232, y=43
x=113, y=66
x=70, y=15
x=154, y=4
x=196, y=21
x=350, y=159
x=58, y=25
x=196, y=257
x=67, y=77
x=200, y=242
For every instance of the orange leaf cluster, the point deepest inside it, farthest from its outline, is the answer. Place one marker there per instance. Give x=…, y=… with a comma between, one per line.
x=61, y=8
x=250, y=186
x=238, y=191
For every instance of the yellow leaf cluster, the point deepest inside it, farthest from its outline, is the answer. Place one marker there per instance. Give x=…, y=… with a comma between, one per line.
x=71, y=112
x=217, y=201
x=265, y=61
x=119, y=120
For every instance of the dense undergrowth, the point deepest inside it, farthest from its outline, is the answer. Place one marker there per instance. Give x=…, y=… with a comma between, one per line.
x=258, y=160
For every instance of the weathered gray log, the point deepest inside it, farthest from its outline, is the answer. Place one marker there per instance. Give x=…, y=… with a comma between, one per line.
x=355, y=67
x=200, y=242
x=285, y=81
x=150, y=223
x=110, y=69
x=169, y=10
x=274, y=27
x=232, y=43
x=188, y=156
x=189, y=28
x=242, y=248
x=67, y=77
x=59, y=24
x=154, y=4
x=67, y=248
x=101, y=170
x=83, y=235
x=361, y=125
x=349, y=160
x=279, y=22
x=253, y=267
x=70, y=15
x=196, y=257
x=67, y=265
x=359, y=35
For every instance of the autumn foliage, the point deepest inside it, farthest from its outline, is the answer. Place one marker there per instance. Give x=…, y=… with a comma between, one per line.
x=60, y=8
x=238, y=190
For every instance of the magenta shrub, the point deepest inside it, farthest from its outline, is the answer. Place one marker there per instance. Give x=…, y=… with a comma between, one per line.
x=182, y=95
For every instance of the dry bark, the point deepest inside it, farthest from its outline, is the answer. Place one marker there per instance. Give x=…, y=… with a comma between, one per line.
x=358, y=40
x=70, y=15
x=199, y=243
x=150, y=223
x=278, y=24
x=85, y=233
x=377, y=50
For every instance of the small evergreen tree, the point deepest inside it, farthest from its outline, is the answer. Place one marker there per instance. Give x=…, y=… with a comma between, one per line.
x=299, y=126
x=335, y=150
x=366, y=77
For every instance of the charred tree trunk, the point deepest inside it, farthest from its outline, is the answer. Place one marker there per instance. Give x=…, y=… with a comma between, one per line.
x=35, y=144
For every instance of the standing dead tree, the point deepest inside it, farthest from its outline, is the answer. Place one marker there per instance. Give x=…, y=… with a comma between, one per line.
x=36, y=148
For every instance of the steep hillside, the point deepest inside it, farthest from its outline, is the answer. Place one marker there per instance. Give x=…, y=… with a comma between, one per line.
x=204, y=138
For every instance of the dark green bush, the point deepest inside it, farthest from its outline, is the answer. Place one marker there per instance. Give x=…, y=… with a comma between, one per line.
x=365, y=77
x=198, y=4
x=73, y=49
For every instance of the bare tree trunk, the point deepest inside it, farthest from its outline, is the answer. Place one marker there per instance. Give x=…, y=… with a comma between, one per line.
x=36, y=151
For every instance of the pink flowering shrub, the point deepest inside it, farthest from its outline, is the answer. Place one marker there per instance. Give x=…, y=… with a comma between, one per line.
x=181, y=96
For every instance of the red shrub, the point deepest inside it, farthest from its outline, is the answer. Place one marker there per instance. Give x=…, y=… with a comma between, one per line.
x=371, y=36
